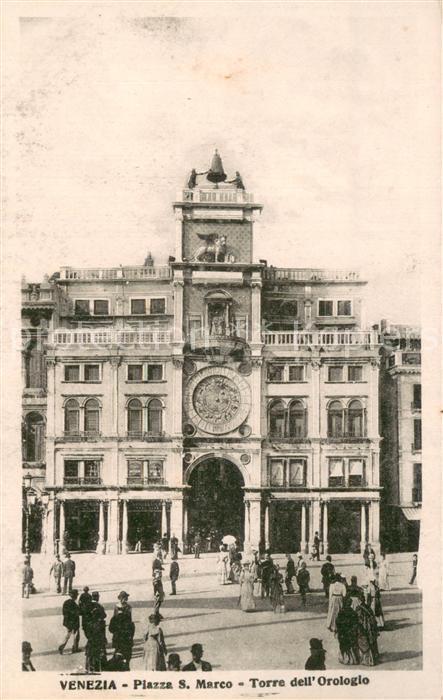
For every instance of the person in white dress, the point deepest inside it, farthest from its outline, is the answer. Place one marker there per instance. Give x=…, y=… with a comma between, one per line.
x=383, y=574
x=337, y=594
x=222, y=565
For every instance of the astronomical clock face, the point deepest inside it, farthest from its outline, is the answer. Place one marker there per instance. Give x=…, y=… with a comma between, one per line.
x=218, y=400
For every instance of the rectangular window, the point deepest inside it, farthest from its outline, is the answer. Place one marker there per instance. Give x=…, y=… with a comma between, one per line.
x=344, y=308
x=92, y=373
x=72, y=373
x=325, y=308
x=335, y=374
x=417, y=434
x=195, y=329
x=81, y=307
x=101, y=307
x=416, y=403
x=336, y=473
x=158, y=306
x=297, y=472
x=277, y=471
x=155, y=373
x=276, y=373
x=355, y=373
x=71, y=472
x=296, y=373
x=155, y=471
x=135, y=471
x=138, y=307
x=417, y=484
x=135, y=373
x=92, y=471
x=356, y=472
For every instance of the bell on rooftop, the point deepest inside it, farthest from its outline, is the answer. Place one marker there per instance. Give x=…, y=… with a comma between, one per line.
x=216, y=173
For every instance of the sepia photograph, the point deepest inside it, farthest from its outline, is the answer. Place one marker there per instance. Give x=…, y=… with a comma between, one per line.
x=224, y=221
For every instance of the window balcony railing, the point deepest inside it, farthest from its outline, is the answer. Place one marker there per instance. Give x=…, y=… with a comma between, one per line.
x=82, y=481
x=416, y=446
x=332, y=439
x=219, y=196
x=64, y=336
x=286, y=436
x=81, y=435
x=342, y=482
x=145, y=481
x=301, y=339
x=145, y=435
x=139, y=272
x=416, y=406
x=287, y=484
x=416, y=495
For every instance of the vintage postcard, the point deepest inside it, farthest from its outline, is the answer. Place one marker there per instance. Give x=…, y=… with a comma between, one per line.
x=221, y=349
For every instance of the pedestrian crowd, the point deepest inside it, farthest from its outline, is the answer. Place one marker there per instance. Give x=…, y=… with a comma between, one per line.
x=354, y=614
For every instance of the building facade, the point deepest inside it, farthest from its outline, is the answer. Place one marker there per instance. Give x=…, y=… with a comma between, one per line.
x=214, y=395
x=401, y=429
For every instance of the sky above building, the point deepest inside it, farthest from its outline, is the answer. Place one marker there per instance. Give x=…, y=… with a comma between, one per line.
x=328, y=110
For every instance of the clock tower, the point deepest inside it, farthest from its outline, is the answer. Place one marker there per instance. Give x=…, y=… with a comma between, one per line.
x=217, y=292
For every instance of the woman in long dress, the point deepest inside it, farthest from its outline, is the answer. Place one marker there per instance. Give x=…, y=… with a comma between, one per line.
x=154, y=651
x=276, y=589
x=222, y=565
x=378, y=609
x=355, y=593
x=347, y=633
x=247, y=602
x=367, y=635
x=383, y=574
x=337, y=594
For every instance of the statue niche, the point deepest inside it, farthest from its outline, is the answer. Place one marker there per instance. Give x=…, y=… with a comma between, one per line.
x=214, y=249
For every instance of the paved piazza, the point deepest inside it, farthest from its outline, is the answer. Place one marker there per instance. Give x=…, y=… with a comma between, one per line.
x=208, y=613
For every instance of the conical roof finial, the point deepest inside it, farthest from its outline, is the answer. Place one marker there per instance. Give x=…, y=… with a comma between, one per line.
x=216, y=173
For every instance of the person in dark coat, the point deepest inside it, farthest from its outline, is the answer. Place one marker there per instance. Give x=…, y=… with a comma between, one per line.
x=290, y=573
x=347, y=632
x=68, y=573
x=367, y=554
x=197, y=663
x=414, y=569
x=157, y=564
x=84, y=605
x=95, y=655
x=71, y=620
x=174, y=573
x=26, y=657
x=197, y=546
x=98, y=613
x=327, y=574
x=173, y=544
x=165, y=545
x=303, y=578
x=267, y=567
x=122, y=628
x=316, y=660
x=27, y=578
x=117, y=663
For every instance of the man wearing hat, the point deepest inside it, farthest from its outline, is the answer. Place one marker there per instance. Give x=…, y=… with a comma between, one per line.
x=316, y=661
x=68, y=573
x=122, y=628
x=57, y=570
x=197, y=663
x=26, y=657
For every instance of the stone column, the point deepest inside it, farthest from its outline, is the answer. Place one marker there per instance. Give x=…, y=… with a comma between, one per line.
x=113, y=527
x=164, y=525
x=256, y=396
x=175, y=410
x=374, y=510
x=61, y=527
x=303, y=528
x=125, y=545
x=247, y=526
x=101, y=529
x=363, y=536
x=325, y=529
x=48, y=544
x=267, y=543
x=315, y=521
x=254, y=519
x=178, y=285
x=256, y=309
x=177, y=520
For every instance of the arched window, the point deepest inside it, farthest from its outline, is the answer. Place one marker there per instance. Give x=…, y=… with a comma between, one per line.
x=72, y=416
x=277, y=419
x=355, y=419
x=155, y=417
x=135, y=416
x=335, y=419
x=34, y=438
x=297, y=420
x=92, y=416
